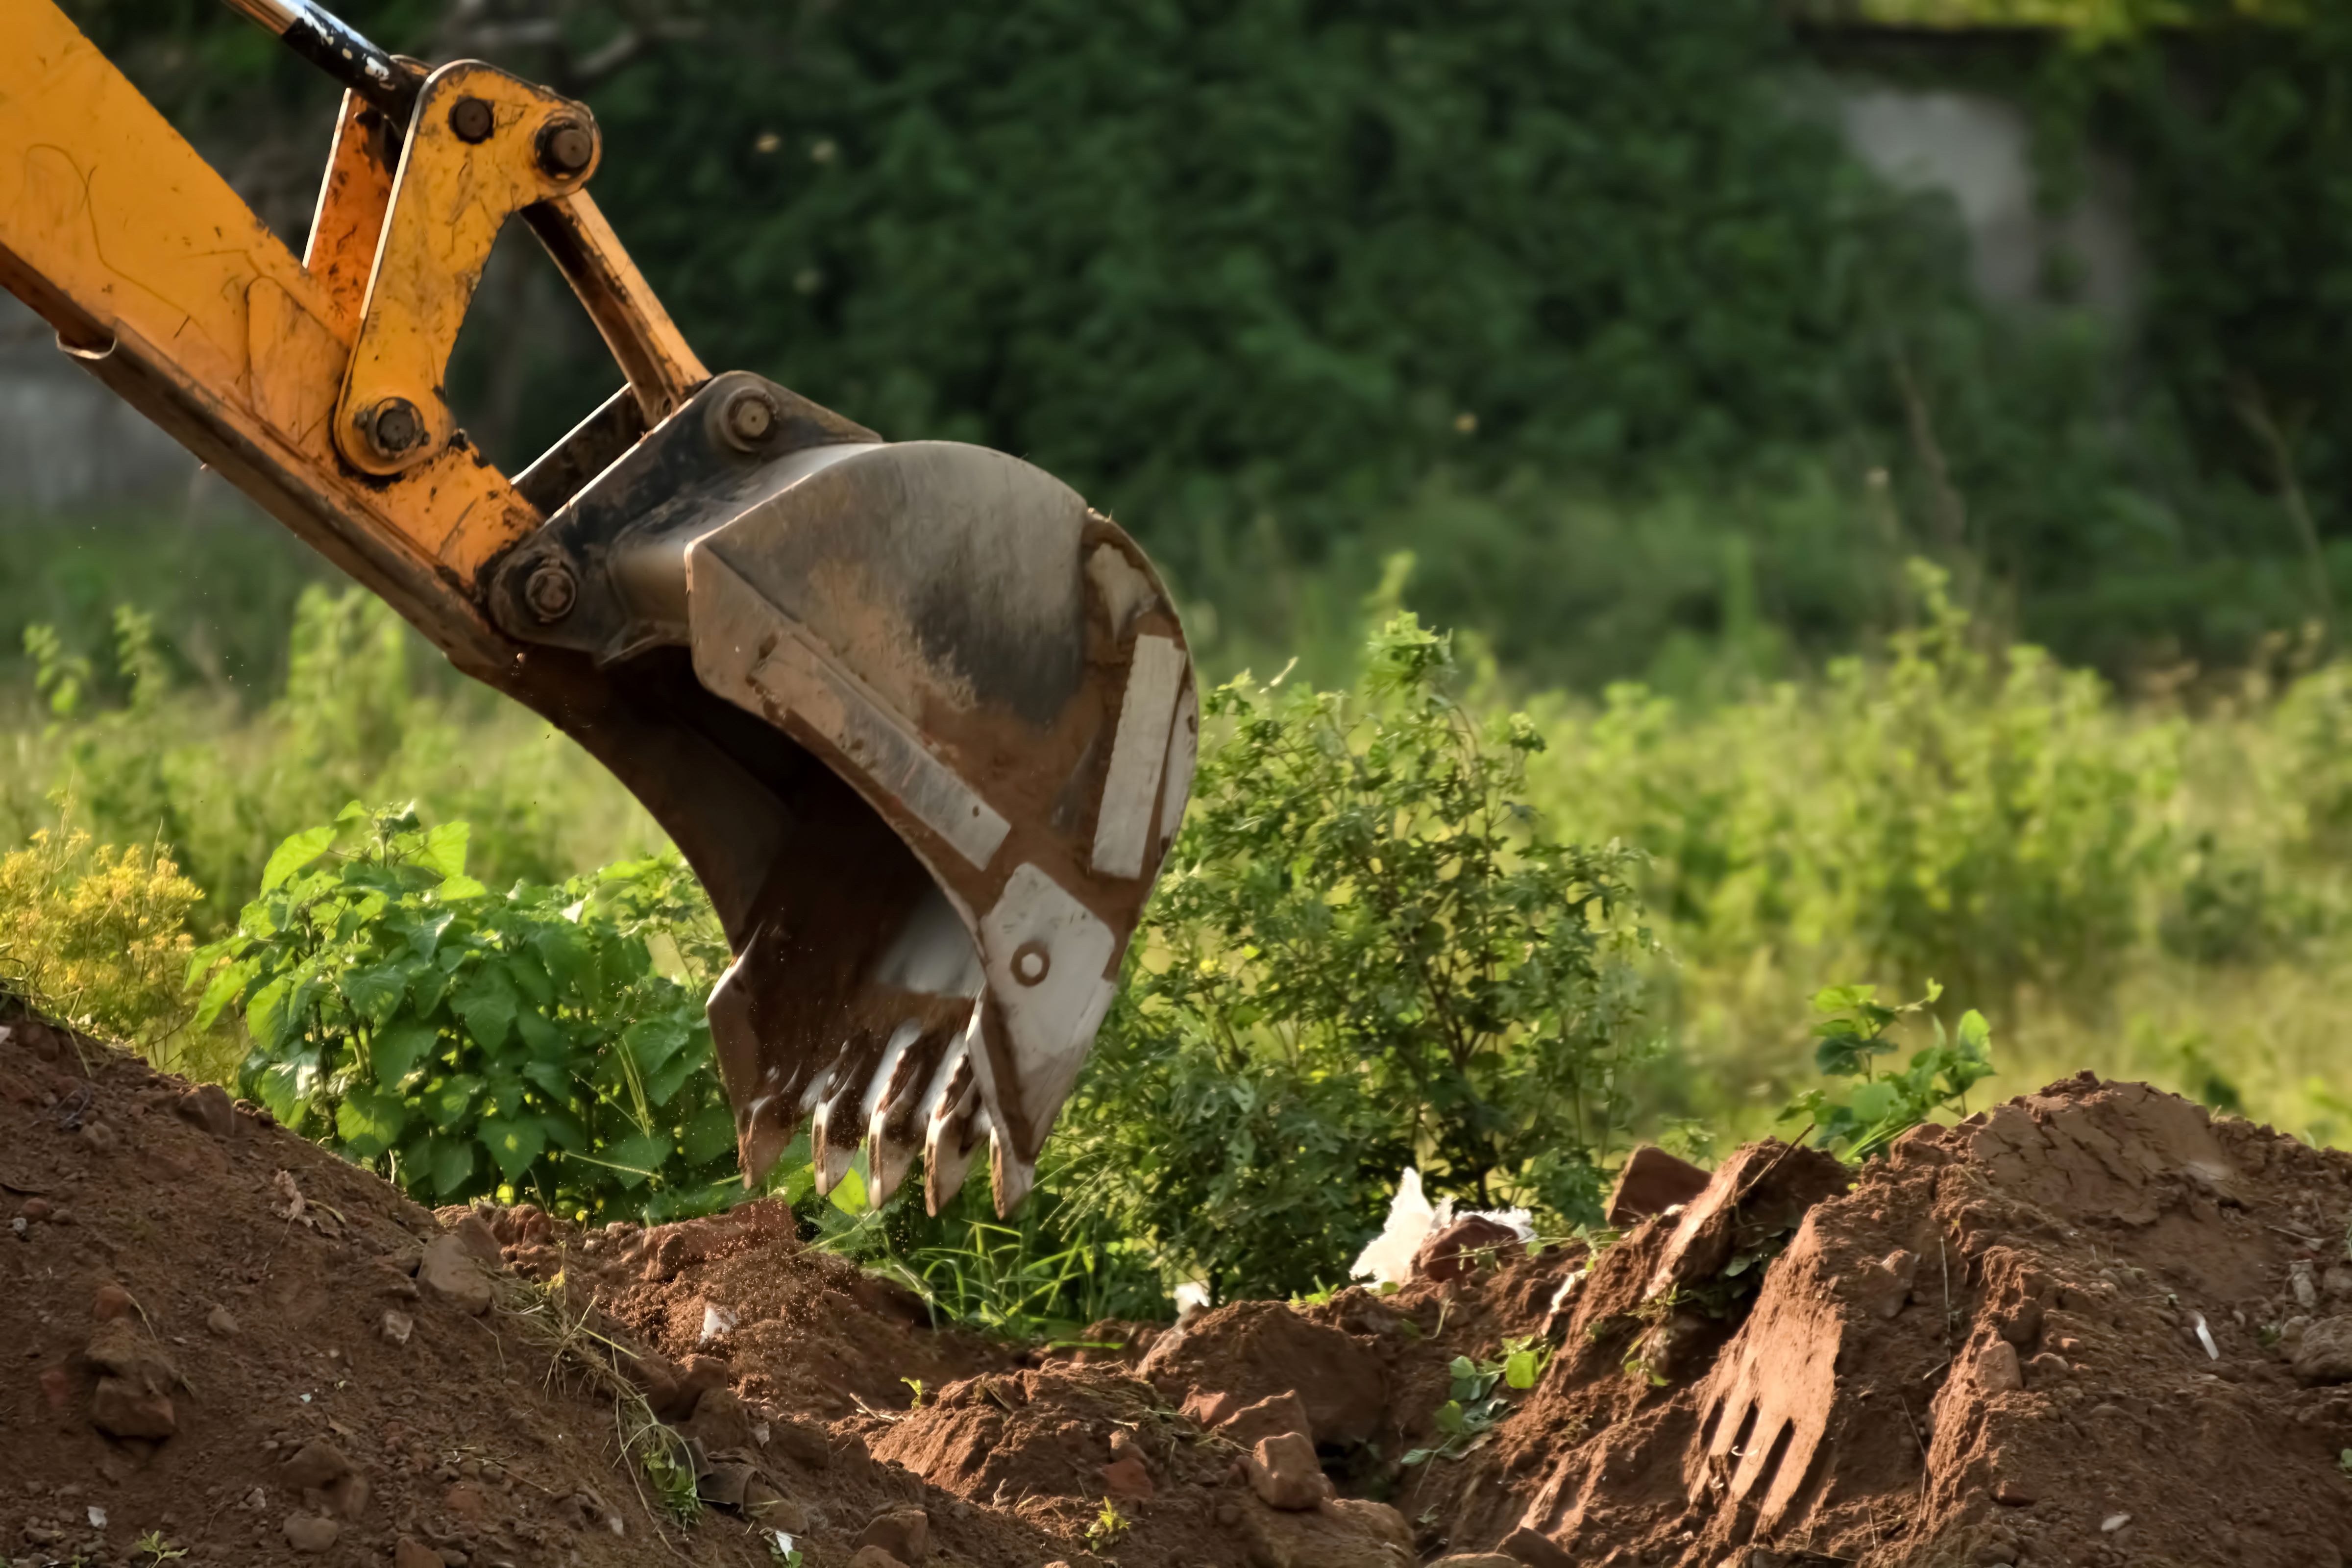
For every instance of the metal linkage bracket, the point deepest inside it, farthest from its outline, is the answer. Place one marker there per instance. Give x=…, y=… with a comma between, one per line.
x=483, y=145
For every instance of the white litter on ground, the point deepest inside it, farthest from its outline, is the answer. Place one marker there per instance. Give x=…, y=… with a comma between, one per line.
x=1387, y=1260
x=716, y=1321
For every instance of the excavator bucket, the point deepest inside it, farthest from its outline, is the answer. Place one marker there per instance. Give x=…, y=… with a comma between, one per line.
x=965, y=707
x=923, y=724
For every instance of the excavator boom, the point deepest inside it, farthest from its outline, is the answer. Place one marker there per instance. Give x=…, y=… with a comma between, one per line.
x=922, y=722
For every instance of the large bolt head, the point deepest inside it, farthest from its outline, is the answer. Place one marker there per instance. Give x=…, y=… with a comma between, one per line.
x=552, y=591
x=566, y=147
x=749, y=419
x=393, y=427
x=471, y=121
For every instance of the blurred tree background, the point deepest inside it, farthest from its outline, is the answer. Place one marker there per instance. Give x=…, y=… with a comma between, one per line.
x=1907, y=631
x=1591, y=307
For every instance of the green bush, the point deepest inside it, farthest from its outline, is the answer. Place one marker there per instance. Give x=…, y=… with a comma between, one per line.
x=98, y=938
x=148, y=755
x=468, y=1043
x=1366, y=953
x=1980, y=814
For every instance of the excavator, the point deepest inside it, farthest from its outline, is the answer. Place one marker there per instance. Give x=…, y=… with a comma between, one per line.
x=922, y=721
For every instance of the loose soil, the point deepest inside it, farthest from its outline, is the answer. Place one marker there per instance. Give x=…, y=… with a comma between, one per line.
x=2092, y=1326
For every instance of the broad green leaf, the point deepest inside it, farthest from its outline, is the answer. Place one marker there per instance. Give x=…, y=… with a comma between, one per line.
x=1870, y=1102
x=425, y=930
x=553, y=1079
x=447, y=1101
x=369, y=1121
x=294, y=854
x=635, y=1158
x=506, y=1094
x=444, y=849
x=541, y=1035
x=460, y=889
x=486, y=1001
x=563, y=1131
x=662, y=1086
x=562, y=949
x=399, y=1047
x=1519, y=1369
x=228, y=984
x=710, y=1134
x=280, y=1089
x=428, y=989
x=375, y=991
x=449, y=1165
x=848, y=1193
x=651, y=1042
x=514, y=1143
x=529, y=977
x=265, y=1014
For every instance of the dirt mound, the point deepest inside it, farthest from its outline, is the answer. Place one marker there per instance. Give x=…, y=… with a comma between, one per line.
x=2092, y=1326
x=224, y=1335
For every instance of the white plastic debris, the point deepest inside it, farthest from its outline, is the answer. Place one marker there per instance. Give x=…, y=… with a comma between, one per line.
x=2205, y=1338
x=97, y=1517
x=1412, y=1219
x=716, y=1321
x=1388, y=1256
x=1192, y=1295
x=2113, y=1522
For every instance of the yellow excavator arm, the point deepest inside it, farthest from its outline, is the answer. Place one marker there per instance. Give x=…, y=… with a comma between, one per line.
x=922, y=722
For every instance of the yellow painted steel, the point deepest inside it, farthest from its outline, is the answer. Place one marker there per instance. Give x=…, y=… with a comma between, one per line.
x=144, y=259
x=449, y=201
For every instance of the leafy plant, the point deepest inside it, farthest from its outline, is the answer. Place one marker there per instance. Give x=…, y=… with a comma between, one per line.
x=1480, y=1397
x=1366, y=953
x=1882, y=1107
x=468, y=1042
x=98, y=937
x=157, y=1549
x=1109, y=1527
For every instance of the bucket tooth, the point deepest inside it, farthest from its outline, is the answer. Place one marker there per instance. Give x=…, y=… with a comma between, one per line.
x=1009, y=1175
x=895, y=1126
x=957, y=1124
x=840, y=1124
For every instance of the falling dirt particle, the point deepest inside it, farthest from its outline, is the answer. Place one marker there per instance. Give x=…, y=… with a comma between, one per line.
x=222, y=1322
x=111, y=1300
x=395, y=1327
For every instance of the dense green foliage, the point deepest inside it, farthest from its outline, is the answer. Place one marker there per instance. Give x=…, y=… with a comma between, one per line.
x=148, y=750
x=1366, y=953
x=1589, y=307
x=466, y=1042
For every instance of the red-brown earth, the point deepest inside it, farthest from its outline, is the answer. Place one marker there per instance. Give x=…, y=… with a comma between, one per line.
x=2092, y=1326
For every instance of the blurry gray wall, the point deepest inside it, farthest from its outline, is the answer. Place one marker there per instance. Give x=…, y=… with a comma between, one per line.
x=63, y=438
x=1978, y=150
